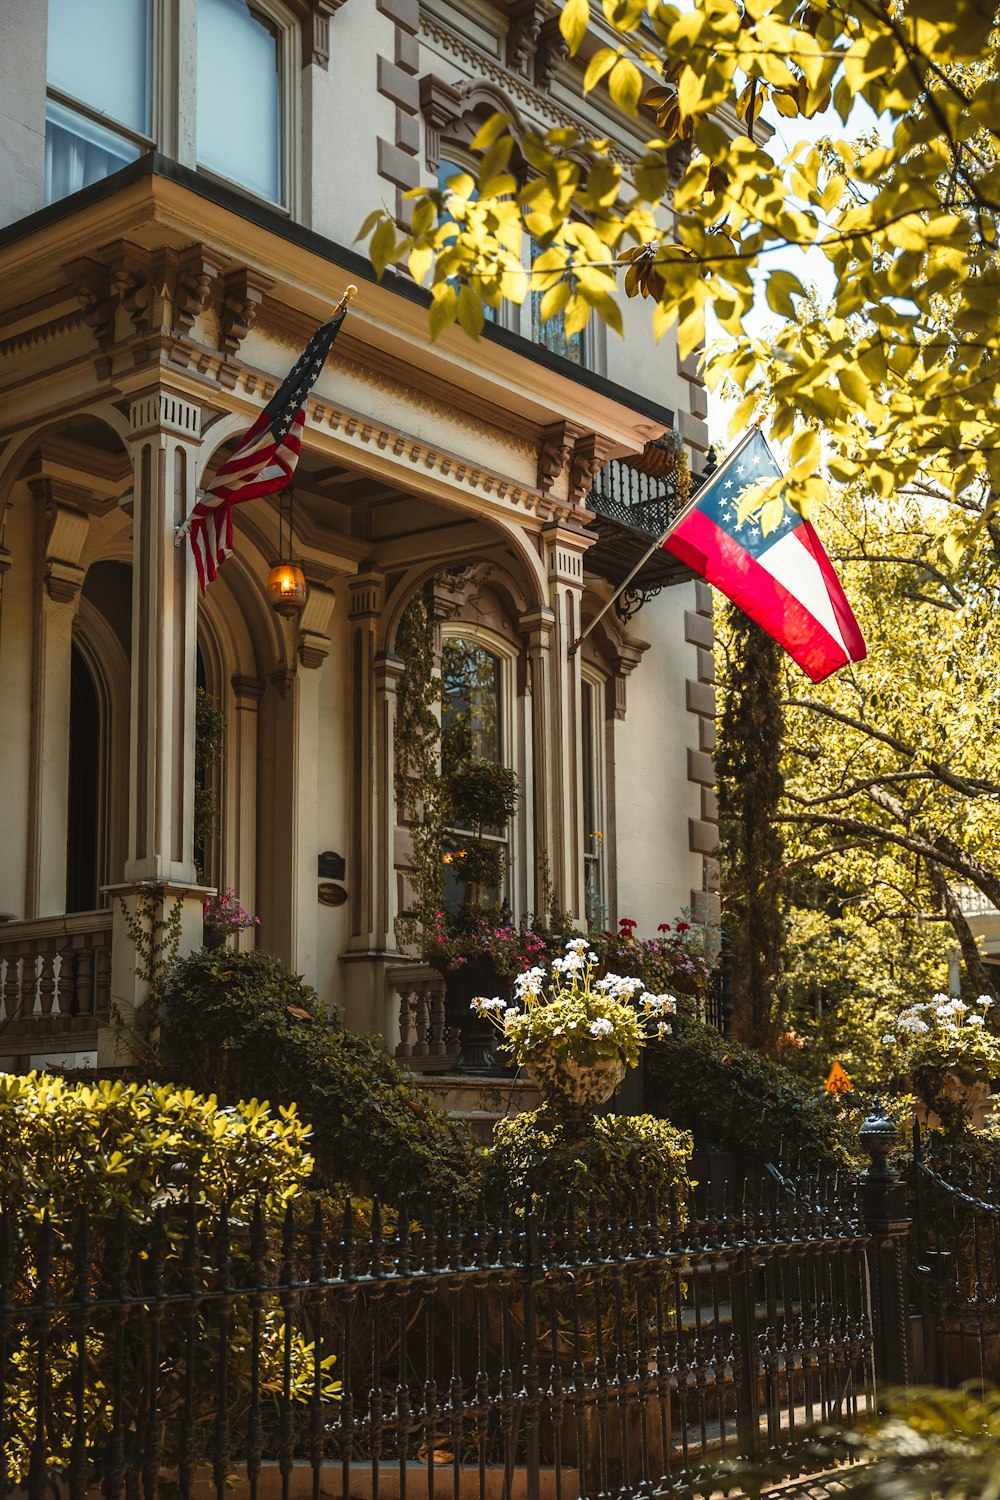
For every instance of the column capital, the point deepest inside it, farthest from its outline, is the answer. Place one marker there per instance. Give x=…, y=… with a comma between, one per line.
x=366, y=590
x=248, y=691
x=163, y=411
x=564, y=548
x=537, y=627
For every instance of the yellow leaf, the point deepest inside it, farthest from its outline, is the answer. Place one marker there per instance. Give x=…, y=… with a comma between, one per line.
x=574, y=19
x=488, y=133
x=444, y=307
x=602, y=62
x=625, y=85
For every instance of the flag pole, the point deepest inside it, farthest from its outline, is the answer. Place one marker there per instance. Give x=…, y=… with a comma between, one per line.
x=658, y=543
x=350, y=292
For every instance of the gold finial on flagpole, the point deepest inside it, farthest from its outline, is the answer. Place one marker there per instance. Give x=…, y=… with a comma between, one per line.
x=349, y=295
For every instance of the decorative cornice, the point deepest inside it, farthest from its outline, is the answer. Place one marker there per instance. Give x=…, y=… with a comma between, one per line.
x=28, y=338
x=487, y=67
x=590, y=453
x=242, y=294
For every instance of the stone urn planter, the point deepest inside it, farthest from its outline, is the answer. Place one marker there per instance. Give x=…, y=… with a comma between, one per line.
x=567, y=1083
x=476, y=977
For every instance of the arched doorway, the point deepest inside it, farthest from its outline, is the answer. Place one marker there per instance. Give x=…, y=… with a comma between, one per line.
x=84, y=839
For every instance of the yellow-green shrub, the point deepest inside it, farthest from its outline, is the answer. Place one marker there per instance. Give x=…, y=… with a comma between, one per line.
x=155, y=1172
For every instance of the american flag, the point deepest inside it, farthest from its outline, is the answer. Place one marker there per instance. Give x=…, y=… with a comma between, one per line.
x=264, y=459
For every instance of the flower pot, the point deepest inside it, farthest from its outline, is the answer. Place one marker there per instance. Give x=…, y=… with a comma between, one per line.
x=462, y=985
x=213, y=939
x=566, y=1082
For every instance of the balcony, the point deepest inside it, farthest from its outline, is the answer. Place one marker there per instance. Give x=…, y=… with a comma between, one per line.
x=634, y=501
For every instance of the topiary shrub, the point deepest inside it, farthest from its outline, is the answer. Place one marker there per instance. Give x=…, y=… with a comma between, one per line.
x=732, y=1098
x=241, y=1023
x=158, y=1170
x=541, y=1155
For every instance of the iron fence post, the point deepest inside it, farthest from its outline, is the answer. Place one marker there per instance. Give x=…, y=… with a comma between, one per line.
x=745, y=1375
x=883, y=1206
x=532, y=1394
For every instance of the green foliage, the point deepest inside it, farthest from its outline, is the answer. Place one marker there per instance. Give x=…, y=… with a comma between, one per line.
x=898, y=371
x=242, y=1022
x=748, y=764
x=109, y=1146
x=926, y=1444
x=543, y=1156
x=157, y=1160
x=482, y=793
x=734, y=1099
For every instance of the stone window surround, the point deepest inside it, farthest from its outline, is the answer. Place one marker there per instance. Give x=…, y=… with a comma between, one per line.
x=302, y=28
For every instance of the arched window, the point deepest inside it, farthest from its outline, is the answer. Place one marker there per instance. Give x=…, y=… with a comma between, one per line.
x=240, y=103
x=472, y=728
x=97, y=113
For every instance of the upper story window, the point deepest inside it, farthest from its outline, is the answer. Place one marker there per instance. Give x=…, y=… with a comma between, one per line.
x=110, y=100
x=97, y=114
x=239, y=96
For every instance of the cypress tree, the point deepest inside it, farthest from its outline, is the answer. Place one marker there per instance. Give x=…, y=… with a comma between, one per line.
x=748, y=765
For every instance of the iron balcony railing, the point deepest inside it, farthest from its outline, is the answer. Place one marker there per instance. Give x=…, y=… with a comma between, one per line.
x=646, y=502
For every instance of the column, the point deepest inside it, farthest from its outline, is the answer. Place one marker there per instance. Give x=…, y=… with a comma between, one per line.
x=164, y=437
x=538, y=630
x=564, y=550
x=61, y=533
x=370, y=883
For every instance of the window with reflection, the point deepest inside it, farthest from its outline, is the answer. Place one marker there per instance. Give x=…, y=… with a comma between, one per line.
x=446, y=171
x=239, y=96
x=471, y=730
x=97, y=110
x=551, y=333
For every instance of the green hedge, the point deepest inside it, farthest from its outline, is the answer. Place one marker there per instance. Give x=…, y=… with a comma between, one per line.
x=540, y=1155
x=244, y=1023
x=734, y=1099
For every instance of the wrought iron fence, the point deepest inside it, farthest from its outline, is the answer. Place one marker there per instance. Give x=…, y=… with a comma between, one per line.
x=956, y=1262
x=401, y=1354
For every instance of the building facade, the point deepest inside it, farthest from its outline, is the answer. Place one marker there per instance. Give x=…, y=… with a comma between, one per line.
x=180, y=185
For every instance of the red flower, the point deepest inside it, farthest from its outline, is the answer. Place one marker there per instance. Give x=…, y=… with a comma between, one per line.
x=664, y=927
x=627, y=925
x=683, y=926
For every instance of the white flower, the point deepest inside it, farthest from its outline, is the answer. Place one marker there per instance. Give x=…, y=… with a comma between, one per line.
x=481, y=1005
x=985, y=1001
x=940, y=998
x=959, y=1007
x=510, y=1014
x=665, y=1004
x=663, y=1027
x=601, y=1027
x=907, y=1021
x=974, y=1021
x=577, y=945
x=888, y=1040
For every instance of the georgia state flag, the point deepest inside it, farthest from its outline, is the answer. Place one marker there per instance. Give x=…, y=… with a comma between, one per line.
x=784, y=581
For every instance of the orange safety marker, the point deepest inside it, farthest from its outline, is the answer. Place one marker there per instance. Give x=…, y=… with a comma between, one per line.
x=837, y=1081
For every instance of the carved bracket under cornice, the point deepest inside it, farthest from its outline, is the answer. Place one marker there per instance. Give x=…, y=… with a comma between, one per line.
x=567, y=445
x=90, y=280
x=314, y=20
x=242, y=294
x=590, y=454
x=164, y=292
x=535, y=45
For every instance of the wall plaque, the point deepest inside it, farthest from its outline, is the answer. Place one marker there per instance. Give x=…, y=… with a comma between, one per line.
x=331, y=866
x=331, y=895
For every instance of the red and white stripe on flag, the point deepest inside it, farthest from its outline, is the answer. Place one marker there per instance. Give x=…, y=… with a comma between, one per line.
x=260, y=465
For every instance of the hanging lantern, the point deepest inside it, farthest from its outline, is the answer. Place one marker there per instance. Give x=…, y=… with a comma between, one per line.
x=286, y=588
x=286, y=582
